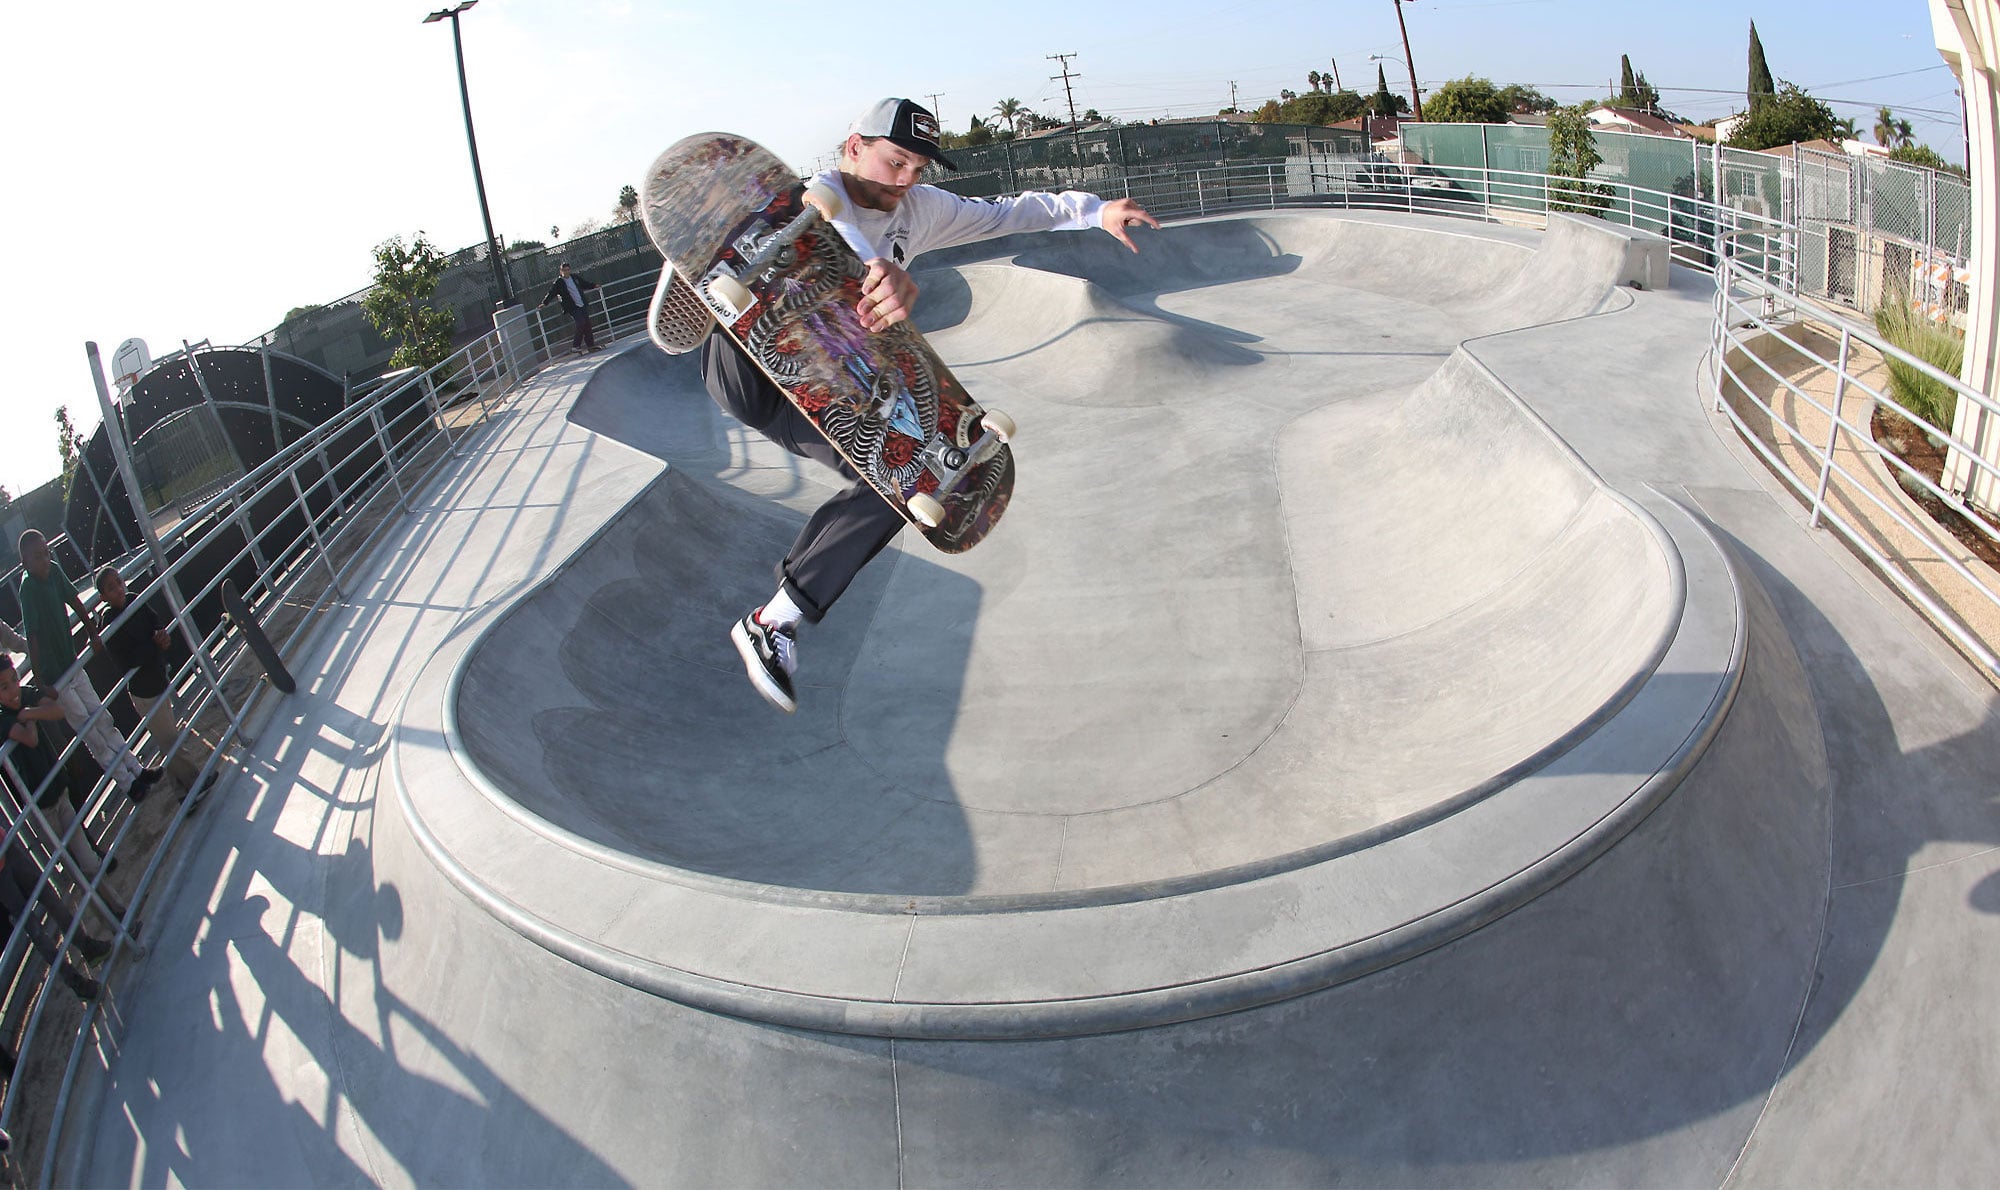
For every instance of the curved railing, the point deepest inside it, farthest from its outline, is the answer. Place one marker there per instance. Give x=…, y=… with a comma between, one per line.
x=1806, y=369
x=289, y=533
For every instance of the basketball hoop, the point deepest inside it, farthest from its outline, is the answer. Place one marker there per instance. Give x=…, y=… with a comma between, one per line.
x=130, y=362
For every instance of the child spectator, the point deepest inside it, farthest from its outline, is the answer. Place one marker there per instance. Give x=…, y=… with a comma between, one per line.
x=140, y=645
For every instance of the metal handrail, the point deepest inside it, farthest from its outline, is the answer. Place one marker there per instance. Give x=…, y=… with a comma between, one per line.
x=293, y=517
x=1750, y=308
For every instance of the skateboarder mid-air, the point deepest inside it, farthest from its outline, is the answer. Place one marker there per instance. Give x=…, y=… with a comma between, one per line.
x=890, y=220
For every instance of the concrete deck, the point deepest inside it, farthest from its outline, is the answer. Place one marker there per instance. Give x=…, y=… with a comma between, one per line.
x=1433, y=689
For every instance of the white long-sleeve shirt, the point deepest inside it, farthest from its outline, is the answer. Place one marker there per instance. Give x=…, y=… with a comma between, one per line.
x=929, y=218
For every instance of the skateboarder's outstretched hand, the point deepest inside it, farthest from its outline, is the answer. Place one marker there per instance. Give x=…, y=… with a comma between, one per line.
x=1121, y=213
x=887, y=295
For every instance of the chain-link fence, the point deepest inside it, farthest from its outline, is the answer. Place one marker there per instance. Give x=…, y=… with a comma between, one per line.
x=1869, y=230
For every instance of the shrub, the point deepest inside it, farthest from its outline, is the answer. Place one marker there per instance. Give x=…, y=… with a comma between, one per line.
x=1941, y=347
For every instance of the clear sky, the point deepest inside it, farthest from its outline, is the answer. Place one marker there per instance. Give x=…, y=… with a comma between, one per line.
x=192, y=171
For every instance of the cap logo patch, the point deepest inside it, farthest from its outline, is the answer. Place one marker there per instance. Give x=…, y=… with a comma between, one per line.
x=924, y=125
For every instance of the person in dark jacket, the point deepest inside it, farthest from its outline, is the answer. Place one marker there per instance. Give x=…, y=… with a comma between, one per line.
x=569, y=291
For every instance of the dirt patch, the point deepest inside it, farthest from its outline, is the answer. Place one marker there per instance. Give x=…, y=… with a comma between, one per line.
x=1927, y=459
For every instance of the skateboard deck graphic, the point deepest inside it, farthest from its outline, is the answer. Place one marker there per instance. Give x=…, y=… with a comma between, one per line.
x=733, y=220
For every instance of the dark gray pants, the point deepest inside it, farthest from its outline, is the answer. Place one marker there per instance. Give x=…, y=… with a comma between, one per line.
x=843, y=533
x=17, y=882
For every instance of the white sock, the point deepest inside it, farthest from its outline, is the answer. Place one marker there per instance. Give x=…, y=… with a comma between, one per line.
x=781, y=612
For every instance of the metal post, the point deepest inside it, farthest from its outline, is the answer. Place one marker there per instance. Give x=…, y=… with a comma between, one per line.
x=271, y=399
x=121, y=453
x=388, y=455
x=1832, y=430
x=236, y=498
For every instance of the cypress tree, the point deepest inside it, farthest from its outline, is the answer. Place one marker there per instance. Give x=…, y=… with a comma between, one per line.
x=1628, y=90
x=1382, y=103
x=1761, y=86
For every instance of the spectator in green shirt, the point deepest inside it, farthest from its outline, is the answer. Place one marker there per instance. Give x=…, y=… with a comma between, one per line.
x=47, y=598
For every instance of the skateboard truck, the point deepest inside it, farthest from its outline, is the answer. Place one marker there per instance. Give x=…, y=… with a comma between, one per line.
x=951, y=463
x=728, y=293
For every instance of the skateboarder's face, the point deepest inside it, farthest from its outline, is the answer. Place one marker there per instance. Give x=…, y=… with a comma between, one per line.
x=879, y=172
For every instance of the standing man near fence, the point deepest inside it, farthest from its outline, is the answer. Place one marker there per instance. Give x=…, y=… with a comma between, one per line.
x=569, y=291
x=47, y=598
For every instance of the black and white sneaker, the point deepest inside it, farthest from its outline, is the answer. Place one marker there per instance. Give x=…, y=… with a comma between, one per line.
x=770, y=657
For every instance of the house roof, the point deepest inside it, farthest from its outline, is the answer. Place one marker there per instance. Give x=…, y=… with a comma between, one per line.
x=1646, y=121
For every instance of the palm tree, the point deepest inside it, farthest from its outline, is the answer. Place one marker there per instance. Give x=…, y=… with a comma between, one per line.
x=1890, y=132
x=1010, y=112
x=1312, y=77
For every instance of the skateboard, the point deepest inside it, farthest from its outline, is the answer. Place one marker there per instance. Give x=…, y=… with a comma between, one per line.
x=253, y=632
x=755, y=245
x=678, y=320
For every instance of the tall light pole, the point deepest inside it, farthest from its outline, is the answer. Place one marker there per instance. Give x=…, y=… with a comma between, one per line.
x=478, y=181
x=1415, y=98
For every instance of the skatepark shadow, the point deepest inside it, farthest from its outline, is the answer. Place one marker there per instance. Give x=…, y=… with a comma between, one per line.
x=1627, y=1027
x=611, y=703
x=294, y=988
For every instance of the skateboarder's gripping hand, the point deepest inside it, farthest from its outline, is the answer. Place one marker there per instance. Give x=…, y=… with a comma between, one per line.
x=1121, y=213
x=887, y=295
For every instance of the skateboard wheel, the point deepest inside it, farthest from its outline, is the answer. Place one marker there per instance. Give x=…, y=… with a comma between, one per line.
x=929, y=513
x=825, y=198
x=730, y=293
x=1001, y=426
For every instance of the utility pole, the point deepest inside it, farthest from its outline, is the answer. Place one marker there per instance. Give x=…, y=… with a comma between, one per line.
x=1336, y=70
x=934, y=97
x=1416, y=97
x=1075, y=137
x=1232, y=95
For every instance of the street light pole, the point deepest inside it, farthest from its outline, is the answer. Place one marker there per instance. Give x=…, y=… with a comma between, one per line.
x=1416, y=99
x=478, y=180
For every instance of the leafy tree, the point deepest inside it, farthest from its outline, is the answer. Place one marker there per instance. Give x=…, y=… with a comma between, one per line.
x=297, y=312
x=584, y=227
x=1469, y=100
x=406, y=277
x=1628, y=87
x=1786, y=118
x=1572, y=155
x=1890, y=132
x=627, y=209
x=977, y=133
x=1760, y=89
x=69, y=444
x=1519, y=97
x=1646, y=95
x=1319, y=108
x=1269, y=112
x=1925, y=156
